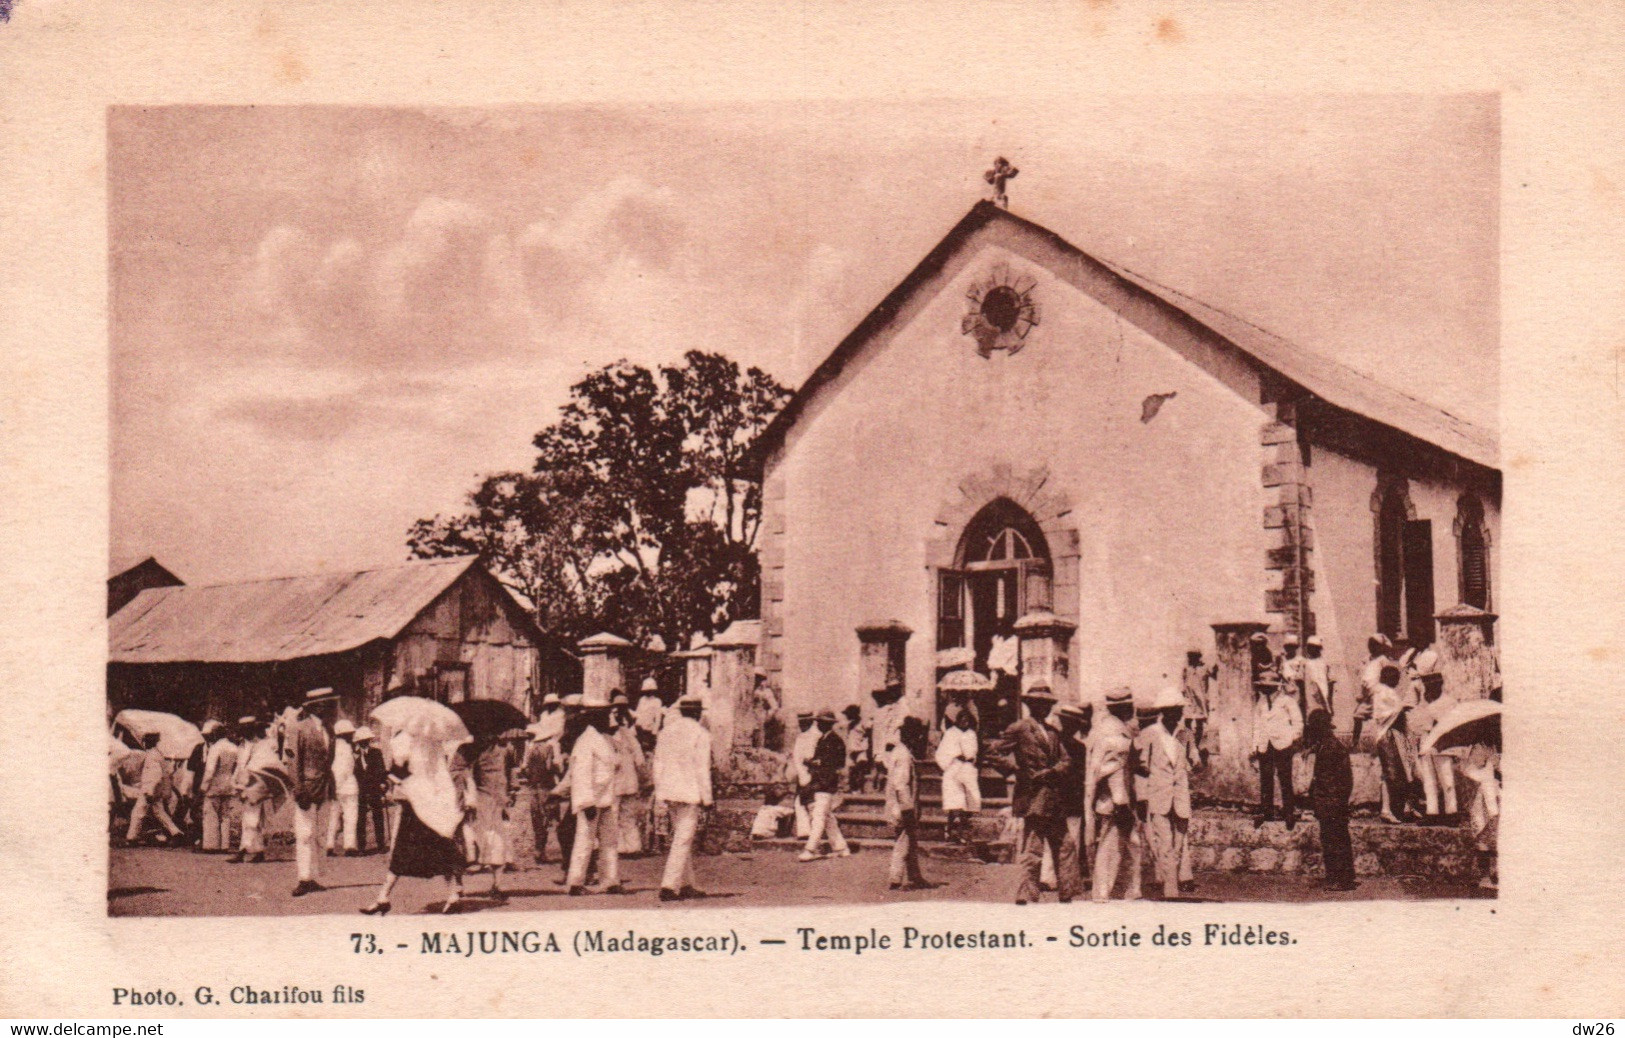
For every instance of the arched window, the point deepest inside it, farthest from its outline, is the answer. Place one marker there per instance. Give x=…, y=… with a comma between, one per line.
x=1391, y=515
x=1404, y=563
x=1473, y=552
x=1001, y=572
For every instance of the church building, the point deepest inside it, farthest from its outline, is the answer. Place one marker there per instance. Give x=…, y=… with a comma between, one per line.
x=1023, y=441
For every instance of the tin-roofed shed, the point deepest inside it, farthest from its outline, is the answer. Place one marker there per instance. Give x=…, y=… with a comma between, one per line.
x=441, y=628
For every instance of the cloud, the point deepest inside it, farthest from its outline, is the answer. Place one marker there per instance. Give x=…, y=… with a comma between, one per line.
x=456, y=286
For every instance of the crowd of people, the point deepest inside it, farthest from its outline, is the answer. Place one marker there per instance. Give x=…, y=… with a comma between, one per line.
x=1098, y=792
x=602, y=780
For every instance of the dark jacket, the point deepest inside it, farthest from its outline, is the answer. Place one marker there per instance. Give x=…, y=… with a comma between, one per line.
x=1333, y=783
x=828, y=763
x=1033, y=751
x=371, y=776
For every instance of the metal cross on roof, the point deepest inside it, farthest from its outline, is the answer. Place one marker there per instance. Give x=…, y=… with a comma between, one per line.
x=998, y=176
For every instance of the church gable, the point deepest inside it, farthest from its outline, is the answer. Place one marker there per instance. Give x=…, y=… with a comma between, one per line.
x=1002, y=315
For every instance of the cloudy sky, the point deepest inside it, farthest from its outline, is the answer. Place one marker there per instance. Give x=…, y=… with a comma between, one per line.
x=328, y=322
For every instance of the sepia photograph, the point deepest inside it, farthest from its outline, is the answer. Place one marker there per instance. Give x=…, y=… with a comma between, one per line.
x=668, y=506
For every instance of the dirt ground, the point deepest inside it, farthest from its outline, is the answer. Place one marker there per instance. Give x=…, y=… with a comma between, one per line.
x=178, y=882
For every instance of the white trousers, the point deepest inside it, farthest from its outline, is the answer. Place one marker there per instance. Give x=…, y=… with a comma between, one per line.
x=1113, y=843
x=217, y=810
x=823, y=824
x=961, y=787
x=143, y=806
x=343, y=813
x=1438, y=776
x=602, y=833
x=1169, y=841
x=685, y=822
x=309, y=827
x=253, y=841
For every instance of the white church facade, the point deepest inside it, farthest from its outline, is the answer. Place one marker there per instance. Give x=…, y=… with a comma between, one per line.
x=1025, y=441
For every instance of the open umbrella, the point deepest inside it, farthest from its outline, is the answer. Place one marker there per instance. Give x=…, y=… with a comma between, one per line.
x=965, y=681
x=421, y=718
x=177, y=737
x=1476, y=722
x=488, y=718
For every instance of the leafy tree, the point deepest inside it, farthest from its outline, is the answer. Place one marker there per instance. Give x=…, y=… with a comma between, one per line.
x=640, y=514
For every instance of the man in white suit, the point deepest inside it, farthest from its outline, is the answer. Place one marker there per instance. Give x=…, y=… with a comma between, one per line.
x=1108, y=797
x=1168, y=789
x=682, y=775
x=593, y=800
x=219, y=767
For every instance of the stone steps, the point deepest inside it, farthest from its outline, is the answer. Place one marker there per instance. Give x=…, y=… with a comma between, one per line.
x=1221, y=840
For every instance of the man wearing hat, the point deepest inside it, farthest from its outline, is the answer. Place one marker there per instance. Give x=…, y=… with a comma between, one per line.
x=251, y=791
x=650, y=712
x=308, y=749
x=1381, y=651
x=1032, y=749
x=1168, y=761
x=592, y=798
x=550, y=722
x=631, y=778
x=219, y=768
x=1196, y=681
x=1109, y=821
x=883, y=723
x=682, y=781
x=1437, y=770
x=1277, y=728
x=825, y=768
x=1075, y=723
x=1316, y=676
x=345, y=813
x=373, y=782
x=798, y=770
x=1292, y=667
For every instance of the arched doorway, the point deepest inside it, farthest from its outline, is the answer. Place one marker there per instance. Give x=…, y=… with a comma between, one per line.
x=1001, y=572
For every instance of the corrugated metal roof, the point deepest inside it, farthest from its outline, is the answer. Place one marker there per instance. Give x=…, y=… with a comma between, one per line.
x=282, y=619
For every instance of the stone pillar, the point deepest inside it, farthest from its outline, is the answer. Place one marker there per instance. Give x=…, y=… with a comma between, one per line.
x=1465, y=657
x=732, y=712
x=697, y=671
x=882, y=660
x=1046, y=653
x=1229, y=775
x=603, y=667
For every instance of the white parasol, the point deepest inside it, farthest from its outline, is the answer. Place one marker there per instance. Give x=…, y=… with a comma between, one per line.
x=421, y=718
x=177, y=737
x=1472, y=723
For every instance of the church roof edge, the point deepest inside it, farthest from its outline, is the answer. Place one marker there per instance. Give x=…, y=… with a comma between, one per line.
x=1325, y=378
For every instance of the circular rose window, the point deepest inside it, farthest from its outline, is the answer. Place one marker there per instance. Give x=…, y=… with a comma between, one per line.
x=1001, y=312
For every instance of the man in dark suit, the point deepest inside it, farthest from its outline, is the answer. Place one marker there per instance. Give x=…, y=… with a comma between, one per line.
x=827, y=766
x=1329, y=794
x=1033, y=750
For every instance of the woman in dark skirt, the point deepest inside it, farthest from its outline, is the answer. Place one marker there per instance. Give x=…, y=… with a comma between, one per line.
x=419, y=850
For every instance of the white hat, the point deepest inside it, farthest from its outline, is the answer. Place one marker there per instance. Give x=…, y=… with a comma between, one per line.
x=211, y=726
x=320, y=693
x=1290, y=639
x=1169, y=697
x=1315, y=642
x=364, y=734
x=649, y=685
x=1426, y=661
x=343, y=726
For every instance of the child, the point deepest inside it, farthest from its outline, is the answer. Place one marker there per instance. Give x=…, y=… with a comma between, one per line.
x=903, y=804
x=770, y=817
